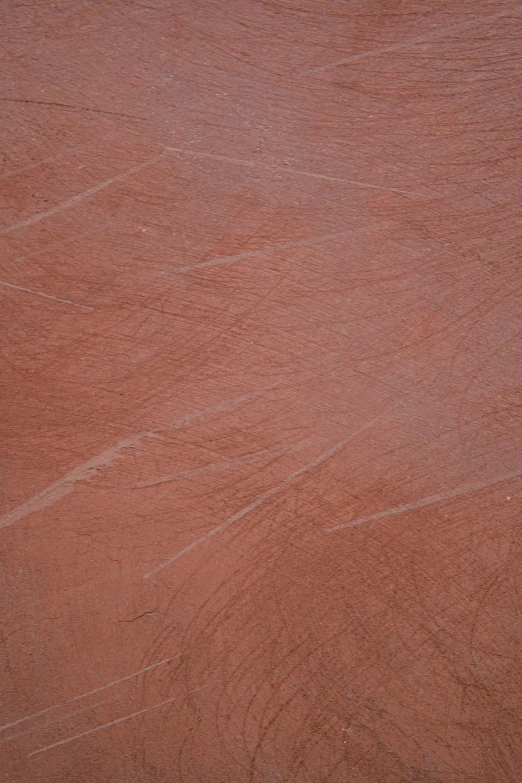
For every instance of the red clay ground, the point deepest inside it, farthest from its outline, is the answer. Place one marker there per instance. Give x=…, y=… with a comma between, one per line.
x=262, y=391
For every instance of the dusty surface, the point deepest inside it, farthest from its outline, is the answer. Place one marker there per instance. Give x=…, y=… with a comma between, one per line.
x=261, y=423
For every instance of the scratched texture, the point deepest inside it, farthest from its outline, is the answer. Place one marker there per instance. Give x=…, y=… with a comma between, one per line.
x=261, y=410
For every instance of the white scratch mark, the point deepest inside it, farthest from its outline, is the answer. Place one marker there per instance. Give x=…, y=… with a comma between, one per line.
x=427, y=37
x=202, y=688
x=63, y=718
x=220, y=407
x=65, y=485
x=101, y=728
x=222, y=465
x=452, y=493
x=81, y=196
x=89, y=693
x=125, y=679
x=29, y=717
x=255, y=253
x=263, y=498
x=46, y=296
x=289, y=169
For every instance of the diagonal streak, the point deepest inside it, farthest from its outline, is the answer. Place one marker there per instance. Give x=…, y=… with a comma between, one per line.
x=263, y=498
x=46, y=296
x=82, y=196
x=429, y=501
x=66, y=484
x=288, y=170
x=90, y=693
x=264, y=250
x=101, y=728
x=426, y=38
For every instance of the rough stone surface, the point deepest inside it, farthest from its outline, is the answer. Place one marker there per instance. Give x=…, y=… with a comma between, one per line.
x=261, y=402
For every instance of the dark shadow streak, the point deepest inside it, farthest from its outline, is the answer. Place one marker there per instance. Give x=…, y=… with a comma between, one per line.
x=69, y=106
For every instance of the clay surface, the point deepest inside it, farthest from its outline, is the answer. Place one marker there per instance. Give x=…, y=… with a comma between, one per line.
x=261, y=407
